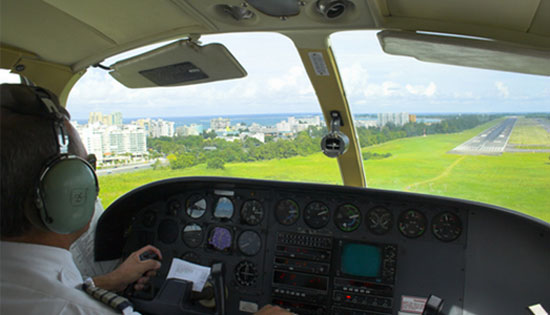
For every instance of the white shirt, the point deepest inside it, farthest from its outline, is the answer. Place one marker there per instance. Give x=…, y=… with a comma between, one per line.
x=38, y=279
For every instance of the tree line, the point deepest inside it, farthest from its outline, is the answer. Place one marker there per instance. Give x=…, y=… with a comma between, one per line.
x=187, y=151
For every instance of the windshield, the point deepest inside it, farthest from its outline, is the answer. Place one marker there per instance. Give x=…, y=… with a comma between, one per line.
x=475, y=134
x=417, y=125
x=267, y=125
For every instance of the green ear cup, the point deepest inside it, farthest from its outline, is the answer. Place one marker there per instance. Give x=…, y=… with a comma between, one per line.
x=68, y=191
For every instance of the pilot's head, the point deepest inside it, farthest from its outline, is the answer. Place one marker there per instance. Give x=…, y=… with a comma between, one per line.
x=43, y=188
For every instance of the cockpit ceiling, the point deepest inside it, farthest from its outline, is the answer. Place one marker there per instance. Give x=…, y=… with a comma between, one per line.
x=81, y=33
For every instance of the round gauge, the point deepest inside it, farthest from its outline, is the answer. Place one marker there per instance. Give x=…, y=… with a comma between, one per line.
x=196, y=206
x=412, y=223
x=220, y=239
x=149, y=218
x=252, y=212
x=287, y=212
x=168, y=231
x=174, y=207
x=246, y=273
x=347, y=218
x=192, y=235
x=446, y=226
x=249, y=243
x=224, y=208
x=191, y=257
x=379, y=220
x=316, y=215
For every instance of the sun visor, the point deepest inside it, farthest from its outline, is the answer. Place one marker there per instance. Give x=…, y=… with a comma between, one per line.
x=469, y=52
x=180, y=63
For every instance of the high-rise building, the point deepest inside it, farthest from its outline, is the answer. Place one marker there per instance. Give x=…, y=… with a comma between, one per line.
x=398, y=119
x=107, y=120
x=116, y=118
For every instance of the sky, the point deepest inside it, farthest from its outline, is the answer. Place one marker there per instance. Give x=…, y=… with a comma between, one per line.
x=277, y=83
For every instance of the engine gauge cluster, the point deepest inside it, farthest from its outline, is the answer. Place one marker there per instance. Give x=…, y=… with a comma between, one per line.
x=379, y=220
x=446, y=226
x=347, y=218
x=412, y=223
x=316, y=215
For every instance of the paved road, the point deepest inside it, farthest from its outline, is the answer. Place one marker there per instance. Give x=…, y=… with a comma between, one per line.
x=490, y=142
x=124, y=169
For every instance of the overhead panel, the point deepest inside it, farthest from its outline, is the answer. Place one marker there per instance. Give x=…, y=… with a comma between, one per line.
x=127, y=20
x=507, y=14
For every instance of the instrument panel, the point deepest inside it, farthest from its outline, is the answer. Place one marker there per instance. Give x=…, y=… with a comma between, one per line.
x=315, y=249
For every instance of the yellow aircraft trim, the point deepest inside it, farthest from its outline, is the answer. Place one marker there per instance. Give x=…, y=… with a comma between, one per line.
x=331, y=96
x=57, y=78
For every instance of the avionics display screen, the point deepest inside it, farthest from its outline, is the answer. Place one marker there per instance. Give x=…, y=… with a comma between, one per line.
x=361, y=260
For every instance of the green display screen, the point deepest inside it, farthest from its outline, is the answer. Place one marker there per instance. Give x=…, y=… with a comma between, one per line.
x=361, y=260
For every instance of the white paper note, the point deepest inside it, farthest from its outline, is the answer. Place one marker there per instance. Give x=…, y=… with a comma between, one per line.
x=184, y=270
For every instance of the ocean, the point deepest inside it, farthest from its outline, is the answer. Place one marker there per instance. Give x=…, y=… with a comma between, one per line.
x=263, y=119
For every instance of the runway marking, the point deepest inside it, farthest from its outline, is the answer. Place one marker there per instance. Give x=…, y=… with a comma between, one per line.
x=483, y=144
x=438, y=177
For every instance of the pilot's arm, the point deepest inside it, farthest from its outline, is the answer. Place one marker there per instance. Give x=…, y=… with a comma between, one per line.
x=133, y=269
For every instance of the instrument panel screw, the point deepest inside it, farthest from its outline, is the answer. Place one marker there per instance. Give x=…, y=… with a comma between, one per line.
x=20, y=68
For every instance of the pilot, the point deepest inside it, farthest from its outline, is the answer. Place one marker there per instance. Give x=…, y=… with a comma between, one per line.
x=48, y=196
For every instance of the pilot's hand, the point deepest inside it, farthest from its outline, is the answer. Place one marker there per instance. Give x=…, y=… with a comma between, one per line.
x=133, y=269
x=273, y=310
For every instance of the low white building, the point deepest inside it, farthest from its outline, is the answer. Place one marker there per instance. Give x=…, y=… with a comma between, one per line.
x=156, y=128
x=191, y=130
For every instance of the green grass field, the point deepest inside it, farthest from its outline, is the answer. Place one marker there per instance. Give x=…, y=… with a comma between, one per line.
x=519, y=181
x=528, y=132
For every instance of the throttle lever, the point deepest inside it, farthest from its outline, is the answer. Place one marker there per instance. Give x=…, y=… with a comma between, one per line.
x=219, y=287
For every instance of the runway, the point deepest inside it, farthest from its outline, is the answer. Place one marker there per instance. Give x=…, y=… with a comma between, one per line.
x=490, y=142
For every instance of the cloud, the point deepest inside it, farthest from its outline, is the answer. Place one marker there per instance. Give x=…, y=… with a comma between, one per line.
x=502, y=89
x=428, y=91
x=387, y=88
x=354, y=79
x=294, y=80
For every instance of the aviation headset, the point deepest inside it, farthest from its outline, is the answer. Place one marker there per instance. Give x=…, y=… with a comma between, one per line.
x=67, y=188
